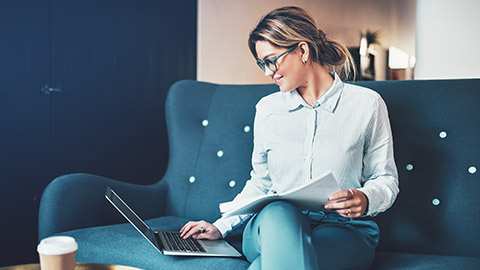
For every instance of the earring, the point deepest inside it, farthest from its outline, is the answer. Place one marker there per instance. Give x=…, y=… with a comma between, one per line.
x=304, y=61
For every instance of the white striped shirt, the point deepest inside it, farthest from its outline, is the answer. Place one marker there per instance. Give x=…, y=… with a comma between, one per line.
x=347, y=132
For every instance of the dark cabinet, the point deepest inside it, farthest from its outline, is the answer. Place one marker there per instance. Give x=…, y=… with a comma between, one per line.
x=82, y=89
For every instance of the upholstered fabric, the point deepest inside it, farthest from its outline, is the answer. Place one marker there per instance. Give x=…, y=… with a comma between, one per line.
x=77, y=201
x=121, y=244
x=433, y=223
x=416, y=261
x=436, y=126
x=195, y=145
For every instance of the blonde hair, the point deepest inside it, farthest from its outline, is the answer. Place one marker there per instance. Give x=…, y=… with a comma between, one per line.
x=286, y=27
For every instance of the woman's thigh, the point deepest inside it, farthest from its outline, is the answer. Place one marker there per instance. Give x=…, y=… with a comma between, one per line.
x=279, y=222
x=339, y=247
x=279, y=238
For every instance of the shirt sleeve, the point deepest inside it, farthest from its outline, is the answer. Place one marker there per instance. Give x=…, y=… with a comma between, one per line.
x=259, y=183
x=379, y=170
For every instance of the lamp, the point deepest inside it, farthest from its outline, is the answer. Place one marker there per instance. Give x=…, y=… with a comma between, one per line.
x=397, y=59
x=398, y=62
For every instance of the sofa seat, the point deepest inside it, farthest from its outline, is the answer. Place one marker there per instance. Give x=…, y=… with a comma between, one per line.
x=416, y=261
x=122, y=244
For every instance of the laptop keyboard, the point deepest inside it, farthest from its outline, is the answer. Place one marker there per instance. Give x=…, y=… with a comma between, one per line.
x=176, y=243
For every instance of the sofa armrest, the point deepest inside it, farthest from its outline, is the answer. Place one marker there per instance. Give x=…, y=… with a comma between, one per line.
x=77, y=201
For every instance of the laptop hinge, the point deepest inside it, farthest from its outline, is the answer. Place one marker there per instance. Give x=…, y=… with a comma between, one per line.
x=158, y=240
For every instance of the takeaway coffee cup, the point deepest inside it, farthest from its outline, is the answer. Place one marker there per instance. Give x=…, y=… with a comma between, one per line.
x=57, y=253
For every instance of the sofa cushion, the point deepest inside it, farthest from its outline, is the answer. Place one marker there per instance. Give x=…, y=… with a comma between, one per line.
x=410, y=261
x=122, y=244
x=436, y=126
x=210, y=129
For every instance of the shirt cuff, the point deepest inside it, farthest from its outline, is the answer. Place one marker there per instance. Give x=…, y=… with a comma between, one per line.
x=222, y=227
x=365, y=212
x=368, y=211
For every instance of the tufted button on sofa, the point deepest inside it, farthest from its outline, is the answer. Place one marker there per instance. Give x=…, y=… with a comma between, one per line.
x=432, y=225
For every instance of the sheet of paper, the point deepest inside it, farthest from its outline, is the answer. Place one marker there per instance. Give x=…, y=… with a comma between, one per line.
x=312, y=195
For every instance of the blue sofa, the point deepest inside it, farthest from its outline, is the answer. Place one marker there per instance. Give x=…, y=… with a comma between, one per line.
x=432, y=225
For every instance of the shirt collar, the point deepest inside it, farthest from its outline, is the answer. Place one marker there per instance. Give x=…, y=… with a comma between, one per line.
x=328, y=101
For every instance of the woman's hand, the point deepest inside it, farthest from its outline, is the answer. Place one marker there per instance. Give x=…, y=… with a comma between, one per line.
x=352, y=204
x=200, y=230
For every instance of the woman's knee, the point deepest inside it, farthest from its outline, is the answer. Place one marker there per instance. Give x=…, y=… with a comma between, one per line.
x=281, y=215
x=279, y=208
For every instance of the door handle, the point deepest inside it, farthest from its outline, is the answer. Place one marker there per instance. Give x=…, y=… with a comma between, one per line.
x=48, y=90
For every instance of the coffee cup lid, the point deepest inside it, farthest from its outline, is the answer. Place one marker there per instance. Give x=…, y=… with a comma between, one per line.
x=57, y=245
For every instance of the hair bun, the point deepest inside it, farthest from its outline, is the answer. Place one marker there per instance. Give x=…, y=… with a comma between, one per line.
x=321, y=35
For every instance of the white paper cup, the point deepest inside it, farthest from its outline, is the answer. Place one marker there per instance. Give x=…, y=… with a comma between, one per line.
x=57, y=253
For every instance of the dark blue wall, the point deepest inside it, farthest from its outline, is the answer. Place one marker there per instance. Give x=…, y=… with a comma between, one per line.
x=114, y=61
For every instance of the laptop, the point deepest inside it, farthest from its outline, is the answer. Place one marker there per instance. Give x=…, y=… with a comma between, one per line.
x=170, y=242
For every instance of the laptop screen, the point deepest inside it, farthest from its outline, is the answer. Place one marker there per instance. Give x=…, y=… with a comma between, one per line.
x=127, y=212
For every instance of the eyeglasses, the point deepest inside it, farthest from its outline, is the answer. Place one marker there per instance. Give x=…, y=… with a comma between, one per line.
x=271, y=63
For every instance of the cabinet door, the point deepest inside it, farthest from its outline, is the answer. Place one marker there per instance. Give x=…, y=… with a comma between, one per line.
x=114, y=61
x=108, y=66
x=25, y=154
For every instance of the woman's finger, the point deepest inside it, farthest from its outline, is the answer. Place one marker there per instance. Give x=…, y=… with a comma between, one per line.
x=203, y=233
x=211, y=232
x=339, y=195
x=194, y=228
x=187, y=228
x=339, y=205
x=350, y=212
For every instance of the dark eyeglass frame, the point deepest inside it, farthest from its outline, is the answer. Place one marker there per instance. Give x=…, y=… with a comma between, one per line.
x=266, y=62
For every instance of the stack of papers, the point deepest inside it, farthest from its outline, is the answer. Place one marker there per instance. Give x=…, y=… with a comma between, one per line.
x=311, y=195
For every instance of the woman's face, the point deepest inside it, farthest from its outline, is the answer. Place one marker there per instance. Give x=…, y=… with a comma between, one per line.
x=291, y=72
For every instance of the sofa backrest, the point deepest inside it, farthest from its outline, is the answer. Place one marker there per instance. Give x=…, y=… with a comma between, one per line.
x=210, y=131
x=436, y=129
x=436, y=134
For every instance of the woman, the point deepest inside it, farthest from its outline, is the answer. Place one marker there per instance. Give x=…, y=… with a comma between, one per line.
x=314, y=124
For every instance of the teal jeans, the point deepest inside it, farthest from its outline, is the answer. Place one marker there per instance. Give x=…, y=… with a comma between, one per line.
x=282, y=237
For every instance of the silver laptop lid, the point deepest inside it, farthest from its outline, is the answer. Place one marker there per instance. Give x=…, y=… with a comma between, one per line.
x=133, y=218
x=212, y=247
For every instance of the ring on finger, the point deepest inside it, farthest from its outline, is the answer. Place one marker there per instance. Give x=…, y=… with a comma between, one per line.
x=349, y=212
x=202, y=230
x=351, y=192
